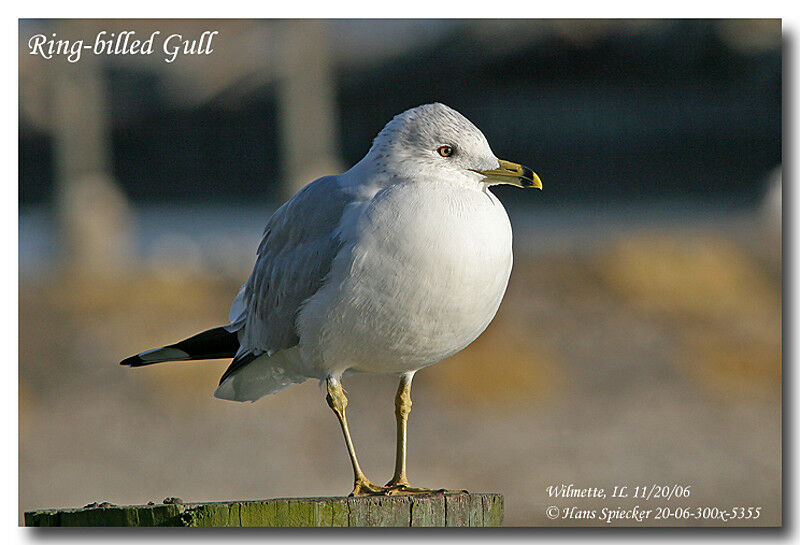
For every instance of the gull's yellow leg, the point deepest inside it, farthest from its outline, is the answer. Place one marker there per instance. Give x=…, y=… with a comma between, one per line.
x=402, y=403
x=338, y=401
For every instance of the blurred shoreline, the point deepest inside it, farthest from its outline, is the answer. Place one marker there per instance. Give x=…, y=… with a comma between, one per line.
x=214, y=234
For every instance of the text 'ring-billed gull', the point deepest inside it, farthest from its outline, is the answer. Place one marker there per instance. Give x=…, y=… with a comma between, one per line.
x=390, y=267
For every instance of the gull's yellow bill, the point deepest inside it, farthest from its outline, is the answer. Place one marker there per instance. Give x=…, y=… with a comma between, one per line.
x=512, y=174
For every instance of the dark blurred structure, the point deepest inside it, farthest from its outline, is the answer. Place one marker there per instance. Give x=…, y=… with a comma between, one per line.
x=604, y=110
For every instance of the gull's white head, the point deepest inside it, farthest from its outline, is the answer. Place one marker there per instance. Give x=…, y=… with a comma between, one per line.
x=435, y=141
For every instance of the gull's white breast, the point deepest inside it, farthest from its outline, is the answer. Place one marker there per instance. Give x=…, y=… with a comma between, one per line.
x=421, y=274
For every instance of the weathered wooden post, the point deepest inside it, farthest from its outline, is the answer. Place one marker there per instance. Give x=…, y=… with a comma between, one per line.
x=94, y=219
x=306, y=105
x=422, y=510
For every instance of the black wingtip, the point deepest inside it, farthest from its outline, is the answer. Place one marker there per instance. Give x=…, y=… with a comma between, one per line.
x=133, y=361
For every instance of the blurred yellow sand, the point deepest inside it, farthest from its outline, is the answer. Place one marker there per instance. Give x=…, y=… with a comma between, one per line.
x=724, y=304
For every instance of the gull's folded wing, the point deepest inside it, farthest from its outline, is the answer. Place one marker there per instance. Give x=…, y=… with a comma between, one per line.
x=295, y=255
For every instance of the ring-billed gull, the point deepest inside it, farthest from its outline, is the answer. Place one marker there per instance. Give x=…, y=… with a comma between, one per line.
x=390, y=267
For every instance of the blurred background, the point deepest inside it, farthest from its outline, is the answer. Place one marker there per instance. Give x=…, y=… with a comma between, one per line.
x=639, y=342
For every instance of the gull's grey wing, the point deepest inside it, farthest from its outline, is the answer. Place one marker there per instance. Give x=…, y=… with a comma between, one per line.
x=300, y=242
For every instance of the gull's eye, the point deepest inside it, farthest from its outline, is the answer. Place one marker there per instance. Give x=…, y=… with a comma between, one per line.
x=445, y=151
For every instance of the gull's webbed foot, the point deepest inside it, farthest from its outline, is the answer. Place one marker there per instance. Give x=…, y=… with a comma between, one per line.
x=365, y=487
x=400, y=489
x=396, y=487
